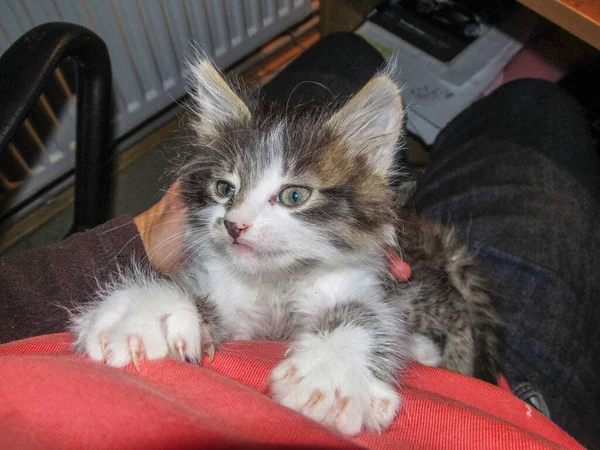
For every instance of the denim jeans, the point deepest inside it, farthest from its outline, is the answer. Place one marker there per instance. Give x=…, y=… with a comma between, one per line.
x=516, y=176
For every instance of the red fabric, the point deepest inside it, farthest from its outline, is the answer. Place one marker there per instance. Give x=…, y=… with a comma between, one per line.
x=51, y=398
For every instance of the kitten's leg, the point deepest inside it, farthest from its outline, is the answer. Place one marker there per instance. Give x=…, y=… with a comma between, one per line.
x=342, y=372
x=144, y=317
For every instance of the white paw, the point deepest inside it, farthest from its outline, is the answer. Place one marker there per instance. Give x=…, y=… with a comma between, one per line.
x=136, y=322
x=332, y=389
x=425, y=351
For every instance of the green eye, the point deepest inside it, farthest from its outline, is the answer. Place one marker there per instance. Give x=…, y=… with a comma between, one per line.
x=293, y=196
x=225, y=189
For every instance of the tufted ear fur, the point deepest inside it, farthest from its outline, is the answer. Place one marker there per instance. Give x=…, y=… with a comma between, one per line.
x=215, y=102
x=371, y=122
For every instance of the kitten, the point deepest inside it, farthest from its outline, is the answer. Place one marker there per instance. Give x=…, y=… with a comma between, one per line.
x=289, y=219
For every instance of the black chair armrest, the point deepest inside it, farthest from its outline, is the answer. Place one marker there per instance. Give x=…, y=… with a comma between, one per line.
x=24, y=69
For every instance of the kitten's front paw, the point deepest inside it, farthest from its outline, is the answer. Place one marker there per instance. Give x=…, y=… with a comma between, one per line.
x=335, y=391
x=140, y=322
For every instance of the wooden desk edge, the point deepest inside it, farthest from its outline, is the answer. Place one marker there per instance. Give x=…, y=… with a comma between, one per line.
x=576, y=22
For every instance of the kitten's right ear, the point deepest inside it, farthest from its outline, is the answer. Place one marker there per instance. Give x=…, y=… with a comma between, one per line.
x=215, y=101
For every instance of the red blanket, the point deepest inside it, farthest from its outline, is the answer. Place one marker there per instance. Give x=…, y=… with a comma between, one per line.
x=51, y=398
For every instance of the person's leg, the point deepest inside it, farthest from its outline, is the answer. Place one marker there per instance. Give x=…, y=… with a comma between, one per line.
x=516, y=176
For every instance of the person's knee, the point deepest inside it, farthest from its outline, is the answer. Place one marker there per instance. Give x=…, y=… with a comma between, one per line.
x=529, y=94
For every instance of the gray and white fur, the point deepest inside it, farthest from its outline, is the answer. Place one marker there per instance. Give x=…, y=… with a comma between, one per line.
x=289, y=215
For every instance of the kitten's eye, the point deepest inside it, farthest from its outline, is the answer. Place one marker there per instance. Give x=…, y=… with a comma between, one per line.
x=225, y=189
x=294, y=196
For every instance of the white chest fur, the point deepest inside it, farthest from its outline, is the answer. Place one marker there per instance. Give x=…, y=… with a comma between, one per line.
x=254, y=308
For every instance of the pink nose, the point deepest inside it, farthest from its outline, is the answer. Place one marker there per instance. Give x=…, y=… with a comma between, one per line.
x=234, y=229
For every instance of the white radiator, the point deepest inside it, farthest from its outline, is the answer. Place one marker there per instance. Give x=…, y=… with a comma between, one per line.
x=149, y=42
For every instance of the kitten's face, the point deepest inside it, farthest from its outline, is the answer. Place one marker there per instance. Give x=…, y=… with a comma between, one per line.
x=269, y=192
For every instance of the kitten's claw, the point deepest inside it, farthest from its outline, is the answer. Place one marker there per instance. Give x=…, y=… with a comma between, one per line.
x=137, y=351
x=209, y=349
x=105, y=351
x=180, y=345
x=135, y=358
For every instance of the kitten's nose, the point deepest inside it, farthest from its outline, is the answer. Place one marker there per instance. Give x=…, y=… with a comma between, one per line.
x=234, y=229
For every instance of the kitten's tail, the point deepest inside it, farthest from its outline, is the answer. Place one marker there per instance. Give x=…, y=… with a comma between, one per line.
x=487, y=332
x=486, y=325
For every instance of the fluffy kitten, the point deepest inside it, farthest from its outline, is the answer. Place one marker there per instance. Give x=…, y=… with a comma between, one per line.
x=289, y=218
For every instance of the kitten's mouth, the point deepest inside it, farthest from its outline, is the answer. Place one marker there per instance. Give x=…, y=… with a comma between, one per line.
x=243, y=249
x=246, y=250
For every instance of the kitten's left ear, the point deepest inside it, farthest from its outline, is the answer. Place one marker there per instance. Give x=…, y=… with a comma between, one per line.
x=216, y=102
x=371, y=122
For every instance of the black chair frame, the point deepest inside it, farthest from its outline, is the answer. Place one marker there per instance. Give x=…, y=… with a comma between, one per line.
x=24, y=69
